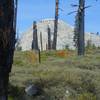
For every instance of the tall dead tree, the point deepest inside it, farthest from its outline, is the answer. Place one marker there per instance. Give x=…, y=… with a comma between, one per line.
x=55, y=25
x=81, y=14
x=35, y=37
x=49, y=38
x=79, y=27
x=15, y=14
x=41, y=41
x=7, y=44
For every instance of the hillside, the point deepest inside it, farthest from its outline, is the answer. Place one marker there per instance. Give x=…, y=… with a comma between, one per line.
x=65, y=35
x=61, y=75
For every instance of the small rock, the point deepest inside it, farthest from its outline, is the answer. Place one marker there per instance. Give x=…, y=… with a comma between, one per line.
x=32, y=90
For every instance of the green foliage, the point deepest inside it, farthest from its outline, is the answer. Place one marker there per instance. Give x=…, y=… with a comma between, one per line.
x=16, y=93
x=87, y=96
x=90, y=45
x=55, y=75
x=76, y=31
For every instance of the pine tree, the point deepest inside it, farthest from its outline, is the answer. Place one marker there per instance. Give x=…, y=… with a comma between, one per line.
x=81, y=14
x=79, y=28
x=7, y=44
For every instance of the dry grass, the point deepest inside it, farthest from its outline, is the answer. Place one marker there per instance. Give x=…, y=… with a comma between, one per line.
x=57, y=73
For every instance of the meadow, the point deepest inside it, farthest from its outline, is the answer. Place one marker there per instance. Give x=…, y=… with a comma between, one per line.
x=61, y=75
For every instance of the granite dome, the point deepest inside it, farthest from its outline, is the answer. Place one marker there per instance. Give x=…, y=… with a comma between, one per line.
x=65, y=35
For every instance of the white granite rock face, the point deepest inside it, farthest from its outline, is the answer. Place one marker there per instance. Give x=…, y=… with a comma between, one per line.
x=65, y=35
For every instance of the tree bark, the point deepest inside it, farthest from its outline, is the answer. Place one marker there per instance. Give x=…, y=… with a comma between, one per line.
x=41, y=42
x=7, y=44
x=35, y=37
x=81, y=12
x=55, y=26
x=49, y=38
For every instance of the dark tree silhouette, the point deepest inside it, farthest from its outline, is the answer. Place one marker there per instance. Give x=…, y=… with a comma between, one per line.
x=55, y=26
x=15, y=13
x=41, y=42
x=49, y=38
x=35, y=37
x=79, y=28
x=81, y=14
x=7, y=44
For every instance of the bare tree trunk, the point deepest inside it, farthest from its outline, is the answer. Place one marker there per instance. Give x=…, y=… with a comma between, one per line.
x=41, y=41
x=35, y=37
x=49, y=38
x=46, y=46
x=81, y=11
x=15, y=14
x=7, y=44
x=56, y=26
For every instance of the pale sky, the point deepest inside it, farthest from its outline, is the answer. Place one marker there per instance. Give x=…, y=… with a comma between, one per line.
x=35, y=10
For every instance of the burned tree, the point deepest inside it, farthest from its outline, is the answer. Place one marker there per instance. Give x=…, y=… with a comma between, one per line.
x=55, y=25
x=79, y=28
x=15, y=14
x=35, y=37
x=7, y=44
x=49, y=38
x=81, y=14
x=41, y=41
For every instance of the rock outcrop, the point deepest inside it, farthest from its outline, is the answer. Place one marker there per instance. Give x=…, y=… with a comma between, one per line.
x=65, y=35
